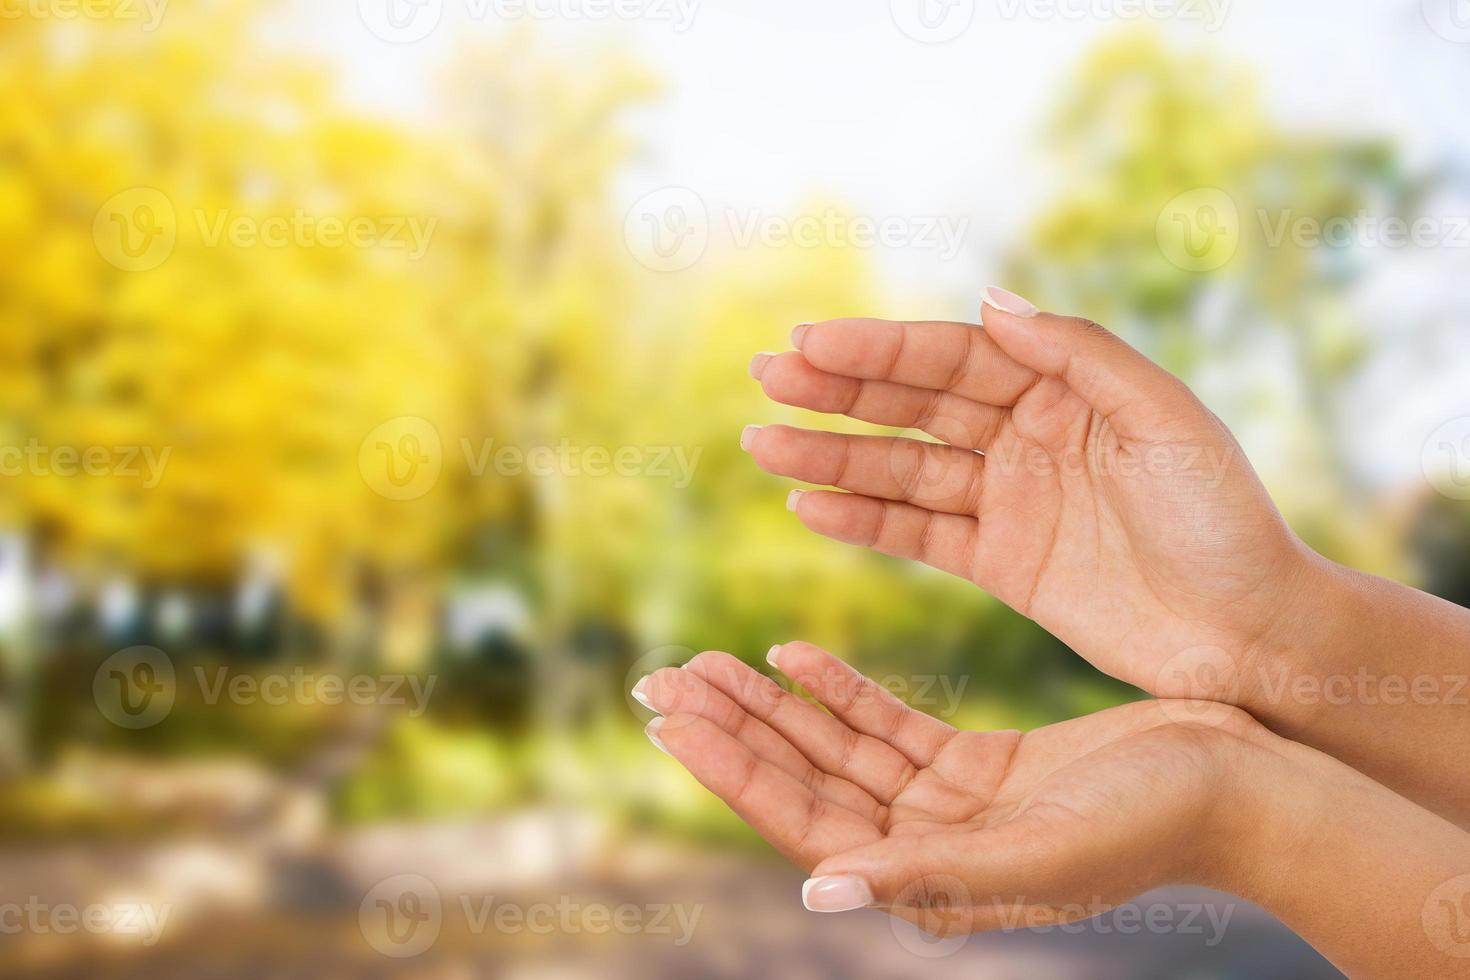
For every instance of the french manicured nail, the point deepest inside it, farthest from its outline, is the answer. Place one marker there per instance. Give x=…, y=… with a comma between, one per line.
x=758, y=364
x=1008, y=302
x=747, y=437
x=771, y=656
x=793, y=499
x=651, y=730
x=836, y=893
x=640, y=694
x=799, y=334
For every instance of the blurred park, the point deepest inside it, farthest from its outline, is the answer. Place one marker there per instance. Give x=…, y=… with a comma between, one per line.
x=354, y=464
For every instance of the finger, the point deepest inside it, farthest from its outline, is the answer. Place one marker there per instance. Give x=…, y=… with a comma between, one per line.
x=830, y=745
x=924, y=474
x=673, y=691
x=792, y=380
x=790, y=816
x=955, y=357
x=952, y=882
x=947, y=542
x=1114, y=379
x=863, y=704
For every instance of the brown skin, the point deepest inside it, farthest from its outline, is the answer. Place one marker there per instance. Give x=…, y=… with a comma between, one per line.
x=963, y=831
x=1113, y=508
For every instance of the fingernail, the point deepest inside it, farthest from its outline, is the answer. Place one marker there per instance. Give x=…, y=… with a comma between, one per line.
x=651, y=730
x=758, y=364
x=793, y=499
x=640, y=694
x=836, y=893
x=771, y=656
x=1008, y=302
x=747, y=437
x=799, y=334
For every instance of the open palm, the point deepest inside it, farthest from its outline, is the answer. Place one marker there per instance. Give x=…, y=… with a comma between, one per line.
x=956, y=830
x=1077, y=482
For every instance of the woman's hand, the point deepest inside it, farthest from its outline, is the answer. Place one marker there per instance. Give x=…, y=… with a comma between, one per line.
x=954, y=830
x=968, y=831
x=1109, y=504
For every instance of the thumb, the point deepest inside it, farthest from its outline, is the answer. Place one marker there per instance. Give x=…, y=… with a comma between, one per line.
x=946, y=882
x=1110, y=376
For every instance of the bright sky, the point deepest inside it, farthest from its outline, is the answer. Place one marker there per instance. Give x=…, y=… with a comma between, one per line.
x=770, y=102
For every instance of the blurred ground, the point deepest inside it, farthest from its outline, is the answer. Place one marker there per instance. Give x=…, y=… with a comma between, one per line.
x=259, y=891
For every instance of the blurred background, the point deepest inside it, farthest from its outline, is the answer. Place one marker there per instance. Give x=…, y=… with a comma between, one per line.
x=372, y=375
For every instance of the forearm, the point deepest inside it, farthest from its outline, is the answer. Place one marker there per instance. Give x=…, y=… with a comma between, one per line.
x=1378, y=885
x=1375, y=674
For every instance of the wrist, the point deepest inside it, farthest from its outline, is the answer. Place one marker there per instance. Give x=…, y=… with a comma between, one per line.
x=1263, y=794
x=1317, y=626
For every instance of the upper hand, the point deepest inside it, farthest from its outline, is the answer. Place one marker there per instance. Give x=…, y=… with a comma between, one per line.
x=1076, y=481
